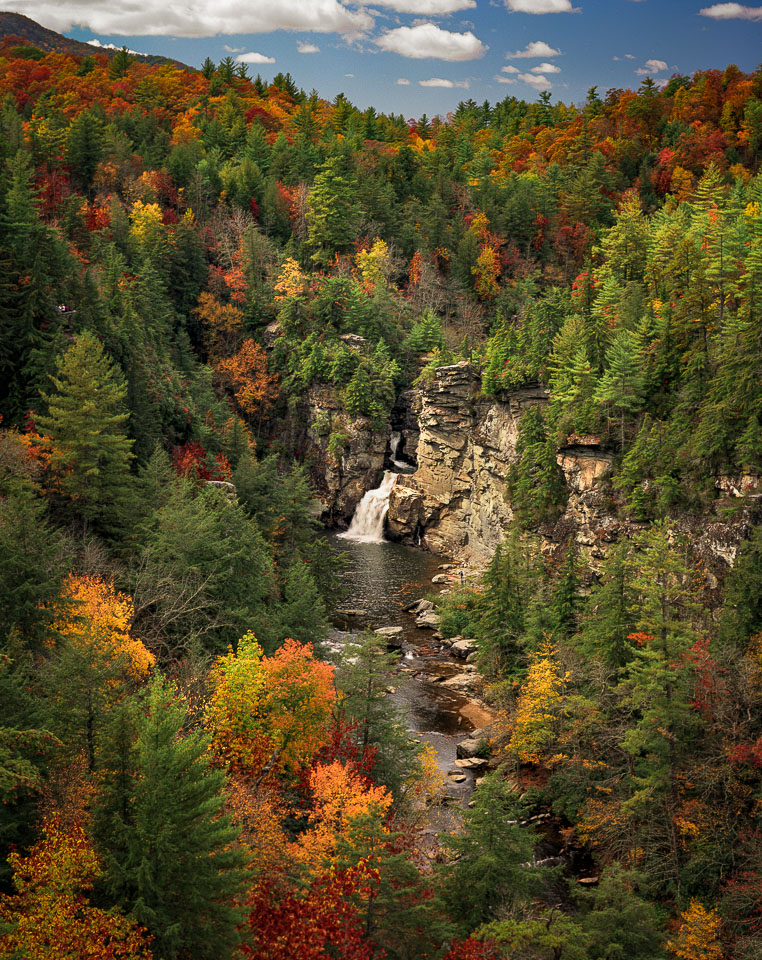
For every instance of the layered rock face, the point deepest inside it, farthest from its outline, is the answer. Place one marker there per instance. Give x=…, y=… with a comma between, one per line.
x=457, y=503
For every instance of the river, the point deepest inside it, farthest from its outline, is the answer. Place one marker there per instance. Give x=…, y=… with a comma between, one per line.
x=381, y=579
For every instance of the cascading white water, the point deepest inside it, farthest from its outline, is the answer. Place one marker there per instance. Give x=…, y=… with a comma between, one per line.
x=394, y=445
x=367, y=524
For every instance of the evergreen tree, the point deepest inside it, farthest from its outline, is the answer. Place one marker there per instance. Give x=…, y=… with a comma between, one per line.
x=332, y=213
x=32, y=557
x=362, y=680
x=85, y=426
x=621, y=385
x=535, y=481
x=501, y=610
x=489, y=875
x=170, y=853
x=84, y=145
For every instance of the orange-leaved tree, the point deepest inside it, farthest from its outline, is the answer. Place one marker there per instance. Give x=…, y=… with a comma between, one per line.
x=50, y=916
x=97, y=658
x=269, y=712
x=246, y=373
x=340, y=795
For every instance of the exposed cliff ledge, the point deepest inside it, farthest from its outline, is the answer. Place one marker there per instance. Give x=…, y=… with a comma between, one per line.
x=457, y=500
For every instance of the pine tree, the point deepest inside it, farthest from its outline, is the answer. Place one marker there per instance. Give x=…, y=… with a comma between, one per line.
x=32, y=564
x=659, y=685
x=362, y=680
x=170, y=852
x=84, y=146
x=333, y=215
x=501, y=610
x=567, y=601
x=85, y=426
x=621, y=385
x=489, y=875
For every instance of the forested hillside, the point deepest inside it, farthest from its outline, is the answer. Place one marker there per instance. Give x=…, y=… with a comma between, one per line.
x=183, y=257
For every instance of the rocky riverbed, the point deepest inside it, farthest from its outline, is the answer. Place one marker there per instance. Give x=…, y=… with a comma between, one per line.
x=389, y=590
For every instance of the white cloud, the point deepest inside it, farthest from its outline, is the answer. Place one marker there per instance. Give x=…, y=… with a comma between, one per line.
x=429, y=8
x=505, y=79
x=629, y=56
x=427, y=40
x=197, y=18
x=402, y=82
x=438, y=82
x=539, y=83
x=652, y=66
x=234, y=49
x=303, y=47
x=545, y=68
x=535, y=49
x=350, y=75
x=254, y=58
x=731, y=11
x=541, y=6
x=510, y=69
x=111, y=46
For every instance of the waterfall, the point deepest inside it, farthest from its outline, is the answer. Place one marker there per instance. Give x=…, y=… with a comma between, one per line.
x=367, y=524
x=394, y=445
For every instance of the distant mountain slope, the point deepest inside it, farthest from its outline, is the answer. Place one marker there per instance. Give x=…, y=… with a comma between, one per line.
x=18, y=30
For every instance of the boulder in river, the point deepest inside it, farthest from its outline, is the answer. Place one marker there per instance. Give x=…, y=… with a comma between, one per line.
x=468, y=749
x=462, y=648
x=428, y=620
x=392, y=635
x=472, y=763
x=462, y=681
x=420, y=606
x=440, y=578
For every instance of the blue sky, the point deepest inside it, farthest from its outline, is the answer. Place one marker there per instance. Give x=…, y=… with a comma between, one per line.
x=444, y=51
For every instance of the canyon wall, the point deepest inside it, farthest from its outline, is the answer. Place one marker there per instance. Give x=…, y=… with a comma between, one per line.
x=457, y=502
x=463, y=445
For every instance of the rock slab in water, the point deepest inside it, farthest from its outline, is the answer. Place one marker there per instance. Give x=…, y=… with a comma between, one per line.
x=462, y=681
x=468, y=749
x=428, y=620
x=392, y=635
x=440, y=578
x=463, y=648
x=472, y=763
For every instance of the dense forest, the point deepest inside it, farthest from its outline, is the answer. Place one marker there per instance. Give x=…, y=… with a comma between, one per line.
x=183, y=773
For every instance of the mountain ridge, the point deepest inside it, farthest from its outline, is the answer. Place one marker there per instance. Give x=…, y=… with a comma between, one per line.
x=18, y=27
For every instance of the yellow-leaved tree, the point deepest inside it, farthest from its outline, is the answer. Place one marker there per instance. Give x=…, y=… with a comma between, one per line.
x=50, y=917
x=96, y=660
x=538, y=709
x=699, y=936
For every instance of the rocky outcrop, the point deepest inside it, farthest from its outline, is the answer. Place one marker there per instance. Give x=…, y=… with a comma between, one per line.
x=457, y=501
x=346, y=455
